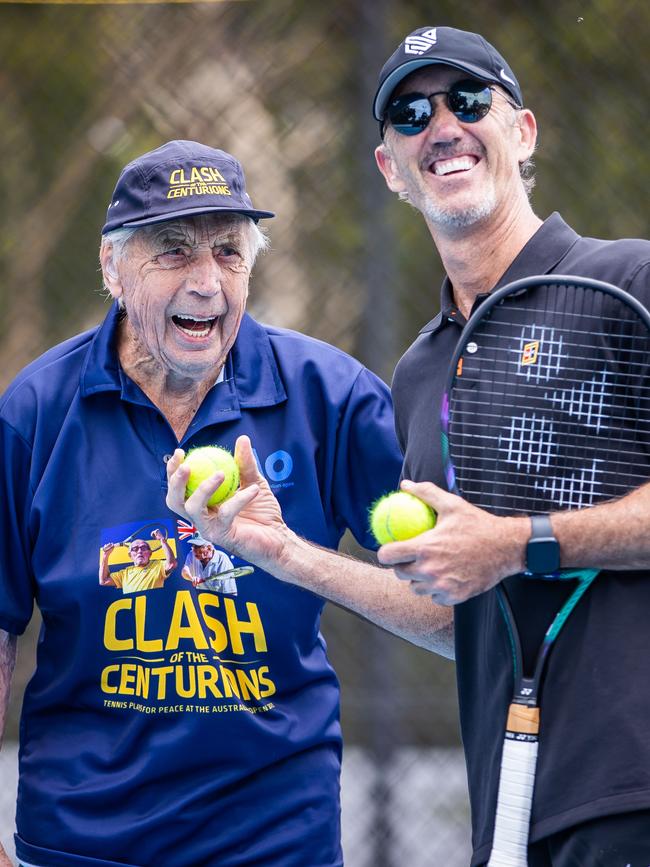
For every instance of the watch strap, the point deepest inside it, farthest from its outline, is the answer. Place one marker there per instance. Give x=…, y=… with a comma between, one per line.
x=542, y=528
x=543, y=550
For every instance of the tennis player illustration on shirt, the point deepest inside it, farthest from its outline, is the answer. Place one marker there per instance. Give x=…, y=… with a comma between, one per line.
x=145, y=572
x=209, y=568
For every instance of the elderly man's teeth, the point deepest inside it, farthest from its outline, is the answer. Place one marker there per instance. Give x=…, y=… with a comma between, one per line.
x=457, y=164
x=194, y=326
x=195, y=332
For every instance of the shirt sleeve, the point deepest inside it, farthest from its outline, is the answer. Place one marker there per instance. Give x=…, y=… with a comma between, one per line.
x=220, y=563
x=17, y=585
x=368, y=458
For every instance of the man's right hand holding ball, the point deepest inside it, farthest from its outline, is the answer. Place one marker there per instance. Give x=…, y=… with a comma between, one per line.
x=249, y=524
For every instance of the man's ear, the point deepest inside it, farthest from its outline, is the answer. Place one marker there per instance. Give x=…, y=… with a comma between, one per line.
x=388, y=168
x=110, y=273
x=527, y=134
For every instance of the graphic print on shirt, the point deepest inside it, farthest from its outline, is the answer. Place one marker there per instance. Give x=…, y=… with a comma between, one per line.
x=206, y=566
x=194, y=648
x=143, y=554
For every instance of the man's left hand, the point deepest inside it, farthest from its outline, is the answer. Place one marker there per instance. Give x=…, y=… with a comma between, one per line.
x=466, y=553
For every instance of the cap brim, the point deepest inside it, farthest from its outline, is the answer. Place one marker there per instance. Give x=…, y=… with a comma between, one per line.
x=195, y=212
x=197, y=540
x=383, y=94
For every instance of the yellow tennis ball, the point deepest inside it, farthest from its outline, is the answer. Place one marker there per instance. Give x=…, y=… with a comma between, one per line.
x=399, y=516
x=205, y=462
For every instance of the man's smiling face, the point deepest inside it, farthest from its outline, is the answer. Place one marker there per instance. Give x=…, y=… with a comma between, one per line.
x=455, y=173
x=184, y=285
x=140, y=552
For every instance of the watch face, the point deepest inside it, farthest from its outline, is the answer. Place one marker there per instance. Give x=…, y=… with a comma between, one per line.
x=543, y=556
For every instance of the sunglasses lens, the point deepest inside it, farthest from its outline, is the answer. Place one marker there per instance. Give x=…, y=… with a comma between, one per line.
x=409, y=114
x=470, y=101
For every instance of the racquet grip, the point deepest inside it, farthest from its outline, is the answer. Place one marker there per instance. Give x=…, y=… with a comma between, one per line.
x=515, y=796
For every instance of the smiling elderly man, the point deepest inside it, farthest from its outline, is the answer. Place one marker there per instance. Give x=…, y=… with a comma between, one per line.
x=145, y=573
x=181, y=727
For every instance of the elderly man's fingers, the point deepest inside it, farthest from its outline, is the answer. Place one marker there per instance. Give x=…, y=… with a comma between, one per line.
x=249, y=473
x=230, y=508
x=174, y=462
x=212, y=522
x=197, y=503
x=176, y=484
x=204, y=491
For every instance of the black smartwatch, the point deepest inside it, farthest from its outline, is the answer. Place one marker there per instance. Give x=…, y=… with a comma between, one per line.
x=543, y=549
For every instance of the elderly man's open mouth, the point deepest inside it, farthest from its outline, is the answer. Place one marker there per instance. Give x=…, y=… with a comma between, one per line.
x=195, y=327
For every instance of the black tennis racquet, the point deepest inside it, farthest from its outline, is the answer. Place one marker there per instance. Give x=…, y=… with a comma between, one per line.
x=547, y=407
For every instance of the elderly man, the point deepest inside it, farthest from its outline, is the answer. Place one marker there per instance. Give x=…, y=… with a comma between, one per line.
x=181, y=728
x=145, y=574
x=457, y=144
x=204, y=562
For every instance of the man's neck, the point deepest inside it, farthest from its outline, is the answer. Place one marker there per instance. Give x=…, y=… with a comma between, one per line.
x=178, y=398
x=475, y=259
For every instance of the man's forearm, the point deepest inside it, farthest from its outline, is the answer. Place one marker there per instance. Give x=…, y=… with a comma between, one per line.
x=170, y=560
x=370, y=591
x=104, y=574
x=613, y=535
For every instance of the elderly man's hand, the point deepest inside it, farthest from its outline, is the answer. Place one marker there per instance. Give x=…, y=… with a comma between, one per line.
x=466, y=553
x=249, y=524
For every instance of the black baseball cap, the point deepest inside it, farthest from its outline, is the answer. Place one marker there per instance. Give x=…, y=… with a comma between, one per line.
x=447, y=46
x=179, y=179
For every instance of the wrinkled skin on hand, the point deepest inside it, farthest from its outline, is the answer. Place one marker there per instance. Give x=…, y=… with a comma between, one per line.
x=249, y=524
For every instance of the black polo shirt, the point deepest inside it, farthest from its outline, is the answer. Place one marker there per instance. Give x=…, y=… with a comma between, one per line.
x=594, y=753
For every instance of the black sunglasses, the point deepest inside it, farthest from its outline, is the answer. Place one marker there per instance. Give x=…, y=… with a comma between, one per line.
x=468, y=100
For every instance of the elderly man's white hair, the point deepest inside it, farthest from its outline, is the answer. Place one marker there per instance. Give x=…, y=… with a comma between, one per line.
x=118, y=238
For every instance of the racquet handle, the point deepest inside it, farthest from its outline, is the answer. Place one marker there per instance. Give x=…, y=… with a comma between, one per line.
x=516, y=783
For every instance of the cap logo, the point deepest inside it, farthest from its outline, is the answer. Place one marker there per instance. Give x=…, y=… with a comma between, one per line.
x=199, y=181
x=421, y=42
x=506, y=77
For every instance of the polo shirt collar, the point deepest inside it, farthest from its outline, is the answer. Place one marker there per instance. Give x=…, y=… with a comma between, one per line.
x=251, y=370
x=541, y=255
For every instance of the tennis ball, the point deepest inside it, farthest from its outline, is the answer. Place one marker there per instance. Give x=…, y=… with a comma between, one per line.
x=205, y=462
x=399, y=516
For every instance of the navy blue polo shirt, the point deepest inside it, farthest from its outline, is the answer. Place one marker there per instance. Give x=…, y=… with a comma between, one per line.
x=594, y=752
x=177, y=726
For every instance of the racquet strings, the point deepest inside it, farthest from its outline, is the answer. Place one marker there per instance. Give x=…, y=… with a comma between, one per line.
x=551, y=415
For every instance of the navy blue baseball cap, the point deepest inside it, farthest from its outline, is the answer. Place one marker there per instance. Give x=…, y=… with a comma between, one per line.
x=447, y=46
x=179, y=179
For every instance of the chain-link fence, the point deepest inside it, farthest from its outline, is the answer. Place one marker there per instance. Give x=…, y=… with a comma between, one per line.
x=286, y=85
